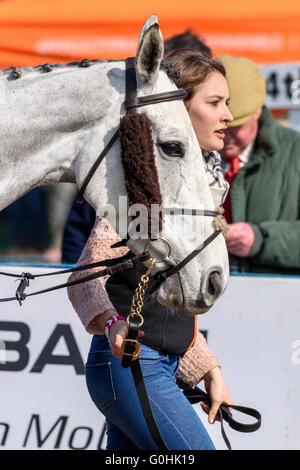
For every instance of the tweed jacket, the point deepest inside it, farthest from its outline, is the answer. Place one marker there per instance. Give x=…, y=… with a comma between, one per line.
x=266, y=194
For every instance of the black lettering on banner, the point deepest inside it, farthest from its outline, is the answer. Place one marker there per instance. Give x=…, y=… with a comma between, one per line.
x=272, y=85
x=46, y=357
x=35, y=419
x=296, y=92
x=88, y=441
x=101, y=439
x=5, y=432
x=204, y=333
x=19, y=345
x=288, y=85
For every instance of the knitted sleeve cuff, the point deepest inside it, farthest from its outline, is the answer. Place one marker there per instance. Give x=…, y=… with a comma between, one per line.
x=197, y=361
x=258, y=241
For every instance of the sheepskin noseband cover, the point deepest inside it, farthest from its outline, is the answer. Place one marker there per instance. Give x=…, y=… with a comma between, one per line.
x=137, y=155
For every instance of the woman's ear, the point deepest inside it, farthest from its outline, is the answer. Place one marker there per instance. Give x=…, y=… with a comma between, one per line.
x=150, y=51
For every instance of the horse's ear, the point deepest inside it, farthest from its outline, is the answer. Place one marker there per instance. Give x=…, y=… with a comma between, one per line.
x=150, y=50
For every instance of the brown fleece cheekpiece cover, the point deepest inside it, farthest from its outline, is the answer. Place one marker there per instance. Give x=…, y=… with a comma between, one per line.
x=138, y=161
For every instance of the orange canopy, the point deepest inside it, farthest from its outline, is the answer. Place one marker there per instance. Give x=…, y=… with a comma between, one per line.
x=39, y=31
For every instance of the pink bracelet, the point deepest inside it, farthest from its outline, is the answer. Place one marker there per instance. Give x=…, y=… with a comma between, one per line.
x=110, y=322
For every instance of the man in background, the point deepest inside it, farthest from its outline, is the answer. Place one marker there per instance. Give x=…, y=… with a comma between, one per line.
x=261, y=161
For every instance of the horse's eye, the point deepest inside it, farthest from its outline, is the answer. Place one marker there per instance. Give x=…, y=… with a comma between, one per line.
x=173, y=149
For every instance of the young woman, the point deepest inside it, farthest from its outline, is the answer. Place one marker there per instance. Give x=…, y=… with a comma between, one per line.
x=164, y=352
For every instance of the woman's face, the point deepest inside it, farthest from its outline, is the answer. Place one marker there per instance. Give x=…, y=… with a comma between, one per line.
x=209, y=112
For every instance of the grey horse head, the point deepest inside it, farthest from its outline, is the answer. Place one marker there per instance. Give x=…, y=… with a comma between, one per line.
x=54, y=124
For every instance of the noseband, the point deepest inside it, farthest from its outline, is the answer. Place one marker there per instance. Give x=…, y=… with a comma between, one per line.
x=132, y=102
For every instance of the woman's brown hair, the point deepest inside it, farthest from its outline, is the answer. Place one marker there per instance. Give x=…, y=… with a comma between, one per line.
x=194, y=69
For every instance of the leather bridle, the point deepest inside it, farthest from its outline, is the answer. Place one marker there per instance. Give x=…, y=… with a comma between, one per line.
x=132, y=102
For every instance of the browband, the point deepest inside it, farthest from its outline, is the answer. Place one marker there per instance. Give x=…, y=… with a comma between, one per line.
x=179, y=94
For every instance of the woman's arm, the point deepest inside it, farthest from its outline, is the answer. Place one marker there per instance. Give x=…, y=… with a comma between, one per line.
x=90, y=299
x=199, y=363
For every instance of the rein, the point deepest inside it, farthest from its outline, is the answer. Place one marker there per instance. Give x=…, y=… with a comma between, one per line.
x=115, y=265
x=196, y=395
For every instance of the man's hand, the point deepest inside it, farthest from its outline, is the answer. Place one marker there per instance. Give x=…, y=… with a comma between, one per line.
x=240, y=239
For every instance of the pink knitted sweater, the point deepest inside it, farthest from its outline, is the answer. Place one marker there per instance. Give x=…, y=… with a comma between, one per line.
x=91, y=299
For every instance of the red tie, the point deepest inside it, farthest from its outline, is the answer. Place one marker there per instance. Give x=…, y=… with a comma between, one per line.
x=229, y=176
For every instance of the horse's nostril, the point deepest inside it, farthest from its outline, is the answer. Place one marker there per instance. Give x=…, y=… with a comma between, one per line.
x=215, y=284
x=212, y=287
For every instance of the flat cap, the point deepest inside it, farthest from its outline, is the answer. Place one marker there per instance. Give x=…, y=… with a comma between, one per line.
x=247, y=88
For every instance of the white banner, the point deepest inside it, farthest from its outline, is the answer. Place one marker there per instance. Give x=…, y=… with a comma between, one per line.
x=253, y=329
x=283, y=85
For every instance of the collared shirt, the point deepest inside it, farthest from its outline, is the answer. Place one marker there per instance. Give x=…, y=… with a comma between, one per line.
x=244, y=157
x=234, y=261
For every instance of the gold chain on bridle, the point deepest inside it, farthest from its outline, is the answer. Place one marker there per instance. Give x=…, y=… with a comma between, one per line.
x=137, y=304
x=139, y=296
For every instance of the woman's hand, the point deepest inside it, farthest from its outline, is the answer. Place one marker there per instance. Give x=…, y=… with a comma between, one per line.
x=218, y=392
x=117, y=333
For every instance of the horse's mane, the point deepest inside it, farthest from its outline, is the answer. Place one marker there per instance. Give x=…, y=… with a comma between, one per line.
x=14, y=73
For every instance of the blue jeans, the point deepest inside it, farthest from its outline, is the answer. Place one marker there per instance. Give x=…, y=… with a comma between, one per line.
x=113, y=391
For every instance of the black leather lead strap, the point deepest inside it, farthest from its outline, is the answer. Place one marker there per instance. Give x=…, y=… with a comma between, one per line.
x=196, y=395
x=146, y=405
x=129, y=349
x=97, y=264
x=127, y=264
x=130, y=345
